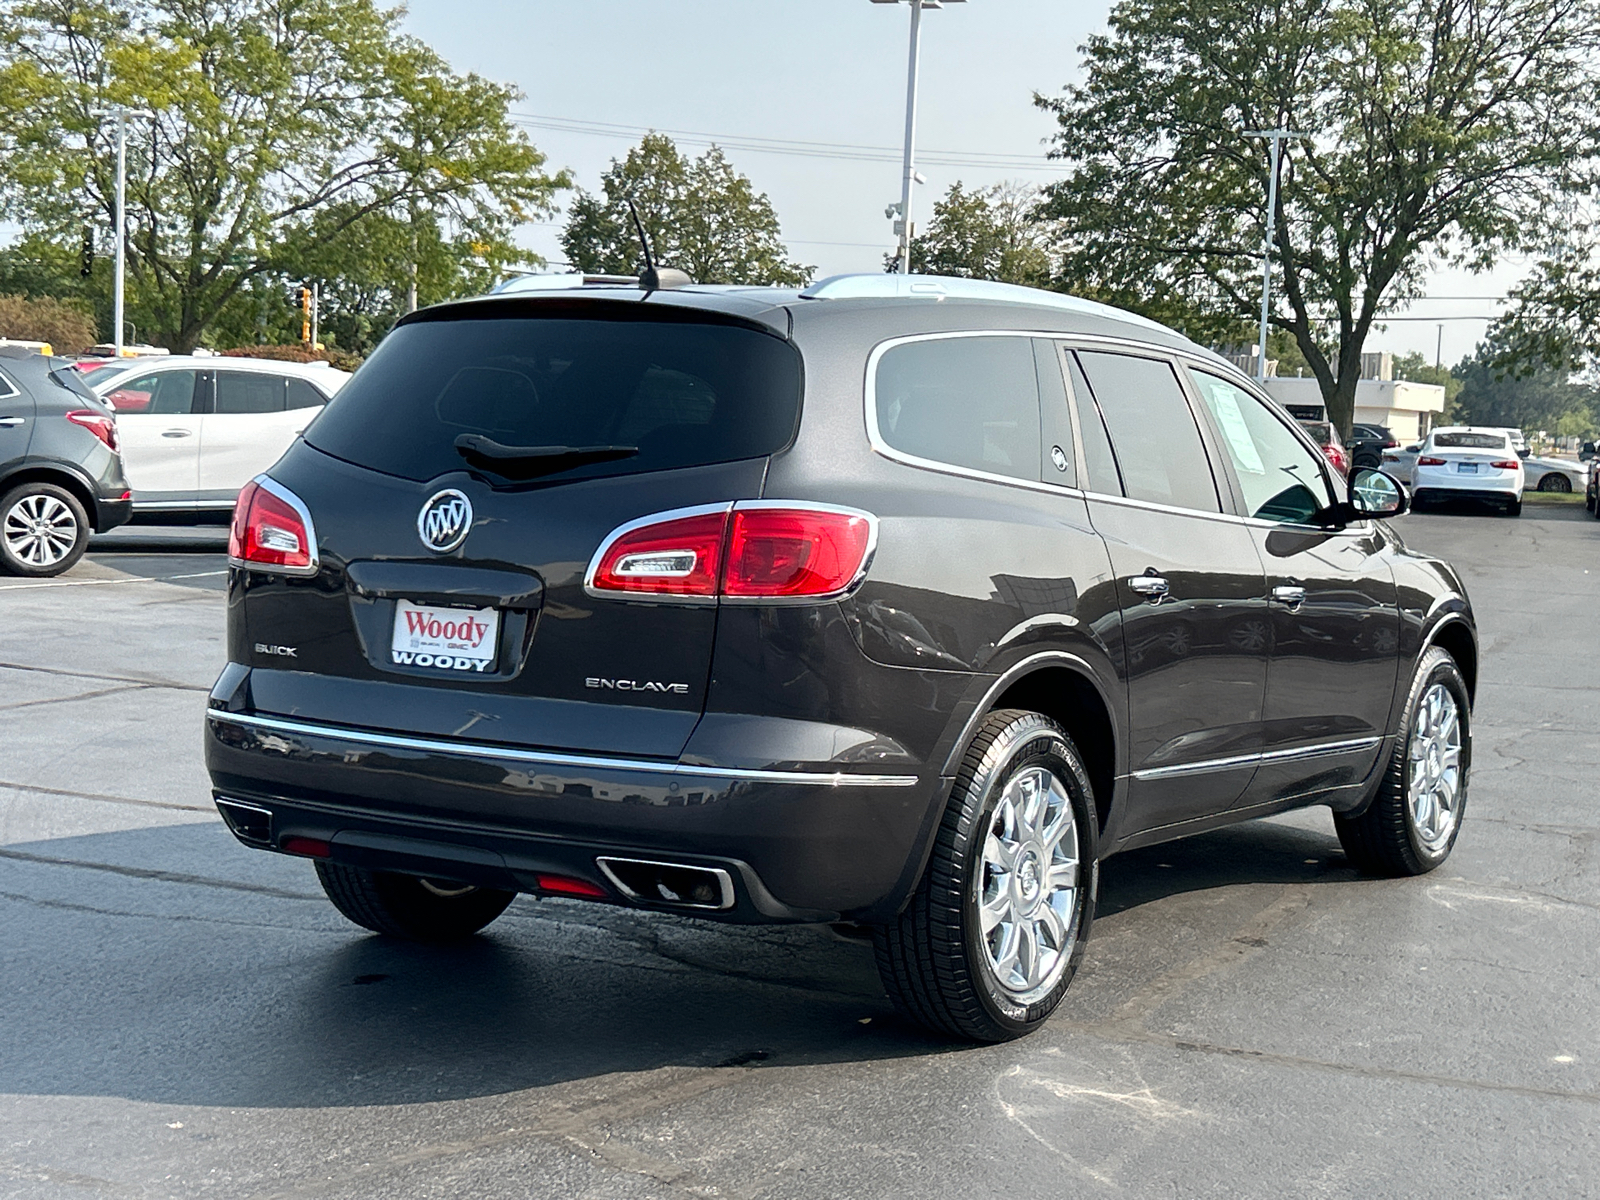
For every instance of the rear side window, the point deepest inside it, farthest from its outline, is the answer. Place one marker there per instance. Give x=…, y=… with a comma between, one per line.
x=968, y=402
x=682, y=394
x=1152, y=430
x=303, y=395
x=248, y=392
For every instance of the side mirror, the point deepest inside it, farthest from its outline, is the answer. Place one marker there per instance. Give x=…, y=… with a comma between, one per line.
x=1374, y=494
x=1524, y=453
x=1586, y=452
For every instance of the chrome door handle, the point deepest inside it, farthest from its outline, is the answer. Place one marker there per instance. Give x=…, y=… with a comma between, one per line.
x=177, y=433
x=12, y=422
x=1151, y=586
x=1289, y=595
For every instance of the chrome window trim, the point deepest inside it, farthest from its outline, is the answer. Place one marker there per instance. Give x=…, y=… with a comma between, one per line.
x=269, y=484
x=551, y=758
x=1319, y=750
x=12, y=390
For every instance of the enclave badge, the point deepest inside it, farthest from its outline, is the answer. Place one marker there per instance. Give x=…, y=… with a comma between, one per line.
x=445, y=521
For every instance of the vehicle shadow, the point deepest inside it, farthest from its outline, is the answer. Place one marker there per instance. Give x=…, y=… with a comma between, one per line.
x=170, y=965
x=1533, y=508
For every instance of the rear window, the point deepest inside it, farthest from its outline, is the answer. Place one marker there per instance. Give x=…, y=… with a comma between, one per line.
x=1470, y=441
x=685, y=394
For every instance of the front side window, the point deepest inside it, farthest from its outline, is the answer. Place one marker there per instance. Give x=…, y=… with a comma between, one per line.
x=1280, y=478
x=168, y=392
x=1156, y=440
x=969, y=402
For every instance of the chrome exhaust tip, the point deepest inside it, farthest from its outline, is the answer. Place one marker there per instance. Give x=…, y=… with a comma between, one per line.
x=250, y=823
x=679, y=885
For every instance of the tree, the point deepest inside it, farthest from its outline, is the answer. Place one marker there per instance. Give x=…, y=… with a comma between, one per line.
x=984, y=234
x=702, y=217
x=67, y=328
x=274, y=118
x=1428, y=132
x=1539, y=398
x=1414, y=368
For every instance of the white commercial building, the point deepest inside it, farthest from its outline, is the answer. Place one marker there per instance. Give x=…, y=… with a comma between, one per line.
x=1409, y=410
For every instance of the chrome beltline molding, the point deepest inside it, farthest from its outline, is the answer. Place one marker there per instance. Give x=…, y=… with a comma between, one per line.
x=548, y=758
x=1270, y=756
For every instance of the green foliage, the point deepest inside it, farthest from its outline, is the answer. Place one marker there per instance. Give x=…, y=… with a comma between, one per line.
x=985, y=234
x=1541, y=397
x=1417, y=369
x=281, y=129
x=1434, y=131
x=298, y=353
x=66, y=326
x=701, y=216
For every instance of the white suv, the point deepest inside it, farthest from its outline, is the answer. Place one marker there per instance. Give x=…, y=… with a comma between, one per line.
x=196, y=430
x=1460, y=461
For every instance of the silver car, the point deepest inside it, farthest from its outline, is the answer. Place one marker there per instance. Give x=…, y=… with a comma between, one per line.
x=1401, y=461
x=1540, y=474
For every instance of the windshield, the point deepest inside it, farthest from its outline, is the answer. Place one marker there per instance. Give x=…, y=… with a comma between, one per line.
x=684, y=394
x=1470, y=441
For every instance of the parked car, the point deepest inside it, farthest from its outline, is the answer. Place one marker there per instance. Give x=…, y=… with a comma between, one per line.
x=1367, y=444
x=60, y=474
x=197, y=429
x=894, y=601
x=1327, y=438
x=1542, y=474
x=1401, y=462
x=1459, y=462
x=1589, y=492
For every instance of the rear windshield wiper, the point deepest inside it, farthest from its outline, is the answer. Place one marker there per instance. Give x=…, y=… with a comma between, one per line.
x=532, y=462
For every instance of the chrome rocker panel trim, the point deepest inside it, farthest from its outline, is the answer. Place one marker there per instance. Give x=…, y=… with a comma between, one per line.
x=1271, y=756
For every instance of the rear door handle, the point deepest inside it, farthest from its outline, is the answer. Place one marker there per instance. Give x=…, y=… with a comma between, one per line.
x=1151, y=586
x=177, y=433
x=1289, y=595
x=12, y=422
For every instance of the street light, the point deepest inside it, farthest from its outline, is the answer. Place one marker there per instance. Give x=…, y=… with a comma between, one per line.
x=909, y=174
x=121, y=115
x=1275, y=136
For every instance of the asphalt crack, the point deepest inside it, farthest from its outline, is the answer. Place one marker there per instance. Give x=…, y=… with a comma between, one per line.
x=159, y=876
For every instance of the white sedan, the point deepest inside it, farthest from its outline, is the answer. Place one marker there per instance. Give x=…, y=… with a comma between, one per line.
x=196, y=430
x=1458, y=462
x=1541, y=474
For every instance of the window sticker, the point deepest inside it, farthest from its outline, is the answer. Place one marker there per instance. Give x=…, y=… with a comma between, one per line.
x=1225, y=403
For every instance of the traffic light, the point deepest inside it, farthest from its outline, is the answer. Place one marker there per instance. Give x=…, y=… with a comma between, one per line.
x=86, y=264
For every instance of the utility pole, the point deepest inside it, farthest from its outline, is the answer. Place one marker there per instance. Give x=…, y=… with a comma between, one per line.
x=1438, y=350
x=1275, y=136
x=122, y=114
x=316, y=312
x=908, y=174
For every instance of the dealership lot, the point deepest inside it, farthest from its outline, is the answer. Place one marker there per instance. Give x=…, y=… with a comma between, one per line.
x=185, y=1017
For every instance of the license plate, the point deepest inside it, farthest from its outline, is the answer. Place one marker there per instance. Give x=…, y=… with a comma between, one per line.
x=449, y=639
x=1467, y=468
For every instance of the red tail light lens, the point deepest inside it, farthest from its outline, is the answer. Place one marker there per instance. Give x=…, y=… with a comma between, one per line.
x=777, y=552
x=1430, y=461
x=1509, y=464
x=749, y=551
x=675, y=557
x=1336, y=456
x=102, y=426
x=272, y=530
x=565, y=885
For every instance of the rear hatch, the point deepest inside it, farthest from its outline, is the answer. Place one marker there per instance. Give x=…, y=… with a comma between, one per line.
x=459, y=486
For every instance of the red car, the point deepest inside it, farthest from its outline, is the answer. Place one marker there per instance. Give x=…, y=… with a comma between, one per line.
x=1332, y=448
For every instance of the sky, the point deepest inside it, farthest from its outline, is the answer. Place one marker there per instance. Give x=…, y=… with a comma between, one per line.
x=831, y=74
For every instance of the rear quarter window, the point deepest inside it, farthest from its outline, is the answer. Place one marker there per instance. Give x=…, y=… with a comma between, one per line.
x=684, y=394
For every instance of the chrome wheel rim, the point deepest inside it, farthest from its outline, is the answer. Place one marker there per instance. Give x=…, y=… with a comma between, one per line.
x=40, y=530
x=1027, y=885
x=1433, y=783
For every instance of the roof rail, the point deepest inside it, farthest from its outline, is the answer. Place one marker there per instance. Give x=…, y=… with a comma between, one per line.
x=948, y=287
x=559, y=283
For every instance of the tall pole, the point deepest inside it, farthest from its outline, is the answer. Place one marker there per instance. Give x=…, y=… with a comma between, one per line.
x=1275, y=137
x=122, y=220
x=1438, y=350
x=909, y=171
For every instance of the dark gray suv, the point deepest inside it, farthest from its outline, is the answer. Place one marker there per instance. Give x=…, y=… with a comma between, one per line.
x=895, y=601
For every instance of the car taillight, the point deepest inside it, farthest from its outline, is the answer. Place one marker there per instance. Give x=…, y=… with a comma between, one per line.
x=1336, y=456
x=102, y=426
x=272, y=530
x=1507, y=464
x=1430, y=461
x=755, y=550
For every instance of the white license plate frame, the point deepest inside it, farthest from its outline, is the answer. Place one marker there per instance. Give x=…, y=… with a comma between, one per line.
x=439, y=637
x=1466, y=468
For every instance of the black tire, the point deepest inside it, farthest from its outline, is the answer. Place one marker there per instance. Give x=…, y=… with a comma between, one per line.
x=934, y=960
x=404, y=906
x=70, y=522
x=1386, y=838
x=1514, y=507
x=1554, y=482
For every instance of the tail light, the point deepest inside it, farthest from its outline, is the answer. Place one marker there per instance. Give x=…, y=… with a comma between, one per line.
x=1430, y=461
x=751, y=551
x=1337, y=457
x=99, y=424
x=1508, y=464
x=272, y=530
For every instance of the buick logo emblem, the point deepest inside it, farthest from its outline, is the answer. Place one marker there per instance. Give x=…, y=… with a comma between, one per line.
x=445, y=521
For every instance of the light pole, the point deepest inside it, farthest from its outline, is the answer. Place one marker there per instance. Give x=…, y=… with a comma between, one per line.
x=908, y=174
x=122, y=114
x=1275, y=136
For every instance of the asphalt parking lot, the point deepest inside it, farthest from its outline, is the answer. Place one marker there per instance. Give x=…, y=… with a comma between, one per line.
x=181, y=1017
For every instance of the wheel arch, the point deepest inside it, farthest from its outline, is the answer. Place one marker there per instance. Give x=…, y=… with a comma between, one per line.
x=63, y=477
x=1454, y=635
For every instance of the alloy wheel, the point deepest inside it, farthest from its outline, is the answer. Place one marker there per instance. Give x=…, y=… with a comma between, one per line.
x=1027, y=889
x=1433, y=781
x=40, y=530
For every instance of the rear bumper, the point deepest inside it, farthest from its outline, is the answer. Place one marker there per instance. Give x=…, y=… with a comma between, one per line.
x=798, y=845
x=110, y=514
x=1437, y=482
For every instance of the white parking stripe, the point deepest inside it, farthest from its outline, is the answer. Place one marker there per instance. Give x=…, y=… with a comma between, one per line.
x=61, y=583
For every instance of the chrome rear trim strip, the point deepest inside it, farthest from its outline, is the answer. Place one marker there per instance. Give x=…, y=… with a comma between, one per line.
x=594, y=762
x=1293, y=754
